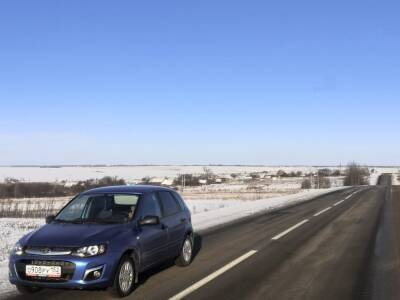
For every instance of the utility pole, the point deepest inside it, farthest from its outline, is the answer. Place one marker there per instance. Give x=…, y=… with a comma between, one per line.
x=183, y=181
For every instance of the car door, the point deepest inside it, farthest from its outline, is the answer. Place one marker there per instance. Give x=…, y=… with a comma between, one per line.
x=153, y=239
x=174, y=219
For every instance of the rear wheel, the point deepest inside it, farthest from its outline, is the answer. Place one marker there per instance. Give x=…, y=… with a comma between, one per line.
x=23, y=289
x=185, y=257
x=124, y=282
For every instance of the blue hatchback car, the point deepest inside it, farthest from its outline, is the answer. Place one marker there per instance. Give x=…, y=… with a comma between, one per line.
x=104, y=238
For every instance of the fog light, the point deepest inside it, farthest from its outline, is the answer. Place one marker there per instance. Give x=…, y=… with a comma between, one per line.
x=93, y=274
x=96, y=274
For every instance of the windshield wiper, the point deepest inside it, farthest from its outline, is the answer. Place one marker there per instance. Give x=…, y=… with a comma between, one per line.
x=62, y=221
x=87, y=221
x=103, y=221
x=74, y=221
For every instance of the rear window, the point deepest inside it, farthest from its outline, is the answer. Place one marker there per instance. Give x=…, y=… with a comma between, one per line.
x=126, y=199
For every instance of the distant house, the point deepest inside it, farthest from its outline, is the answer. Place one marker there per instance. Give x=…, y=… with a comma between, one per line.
x=133, y=182
x=70, y=183
x=167, y=182
x=225, y=178
x=156, y=180
x=161, y=181
x=203, y=181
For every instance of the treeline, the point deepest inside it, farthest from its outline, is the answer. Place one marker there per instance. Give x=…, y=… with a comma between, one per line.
x=325, y=172
x=356, y=175
x=13, y=188
x=353, y=175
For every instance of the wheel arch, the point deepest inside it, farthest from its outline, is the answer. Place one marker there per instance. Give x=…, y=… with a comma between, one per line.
x=132, y=253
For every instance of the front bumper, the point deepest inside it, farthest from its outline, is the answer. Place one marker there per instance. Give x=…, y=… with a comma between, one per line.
x=74, y=271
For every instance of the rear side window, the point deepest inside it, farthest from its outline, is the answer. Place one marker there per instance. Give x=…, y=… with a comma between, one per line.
x=169, y=204
x=150, y=206
x=180, y=200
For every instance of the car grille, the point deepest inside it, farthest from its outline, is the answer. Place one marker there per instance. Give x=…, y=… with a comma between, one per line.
x=50, y=251
x=67, y=269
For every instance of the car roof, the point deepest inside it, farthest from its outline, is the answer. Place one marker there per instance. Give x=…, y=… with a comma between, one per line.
x=134, y=189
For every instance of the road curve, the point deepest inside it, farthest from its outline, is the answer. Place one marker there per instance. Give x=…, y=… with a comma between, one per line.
x=343, y=245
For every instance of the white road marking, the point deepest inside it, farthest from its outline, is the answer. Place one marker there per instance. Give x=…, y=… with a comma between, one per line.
x=277, y=237
x=351, y=195
x=212, y=276
x=337, y=203
x=237, y=261
x=322, y=211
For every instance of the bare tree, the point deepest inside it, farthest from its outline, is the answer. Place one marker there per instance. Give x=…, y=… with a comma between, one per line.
x=356, y=175
x=306, y=184
x=208, y=173
x=324, y=182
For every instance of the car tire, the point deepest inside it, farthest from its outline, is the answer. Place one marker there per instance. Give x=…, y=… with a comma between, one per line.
x=25, y=290
x=186, y=255
x=124, y=281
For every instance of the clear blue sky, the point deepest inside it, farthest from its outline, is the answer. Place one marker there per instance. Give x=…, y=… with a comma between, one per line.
x=198, y=82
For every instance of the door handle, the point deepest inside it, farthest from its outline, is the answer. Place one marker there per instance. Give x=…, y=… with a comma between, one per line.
x=183, y=220
x=163, y=226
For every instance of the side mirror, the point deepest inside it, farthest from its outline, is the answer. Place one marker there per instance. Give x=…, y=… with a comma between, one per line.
x=50, y=219
x=149, y=220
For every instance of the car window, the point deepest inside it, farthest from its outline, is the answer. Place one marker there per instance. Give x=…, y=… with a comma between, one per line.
x=75, y=209
x=169, y=204
x=150, y=206
x=102, y=208
x=180, y=200
x=126, y=199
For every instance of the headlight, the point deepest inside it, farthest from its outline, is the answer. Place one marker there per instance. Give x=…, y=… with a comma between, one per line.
x=18, y=249
x=90, y=251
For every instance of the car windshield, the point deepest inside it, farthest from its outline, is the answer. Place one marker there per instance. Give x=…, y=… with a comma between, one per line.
x=99, y=208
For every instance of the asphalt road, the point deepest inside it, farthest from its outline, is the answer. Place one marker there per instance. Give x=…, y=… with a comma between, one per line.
x=344, y=245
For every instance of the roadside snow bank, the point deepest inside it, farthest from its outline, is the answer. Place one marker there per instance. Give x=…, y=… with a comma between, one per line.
x=237, y=209
x=11, y=230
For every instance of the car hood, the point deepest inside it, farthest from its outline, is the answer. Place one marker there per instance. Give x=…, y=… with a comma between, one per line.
x=73, y=235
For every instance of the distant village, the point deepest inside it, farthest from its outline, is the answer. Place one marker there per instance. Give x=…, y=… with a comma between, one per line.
x=208, y=178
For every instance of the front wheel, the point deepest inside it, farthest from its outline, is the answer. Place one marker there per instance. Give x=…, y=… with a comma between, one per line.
x=186, y=255
x=124, y=282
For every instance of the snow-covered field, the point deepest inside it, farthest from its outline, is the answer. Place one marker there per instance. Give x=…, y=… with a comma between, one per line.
x=130, y=173
x=205, y=214
x=11, y=230
x=134, y=173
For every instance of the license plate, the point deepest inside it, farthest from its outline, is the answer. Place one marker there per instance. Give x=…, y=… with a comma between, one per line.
x=43, y=271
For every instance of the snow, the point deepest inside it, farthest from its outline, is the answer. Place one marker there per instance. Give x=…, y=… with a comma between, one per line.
x=11, y=230
x=205, y=214
x=209, y=214
x=373, y=178
x=395, y=171
x=130, y=173
x=396, y=178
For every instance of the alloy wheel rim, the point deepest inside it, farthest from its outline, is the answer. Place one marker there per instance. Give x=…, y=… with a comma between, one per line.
x=126, y=277
x=187, y=250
